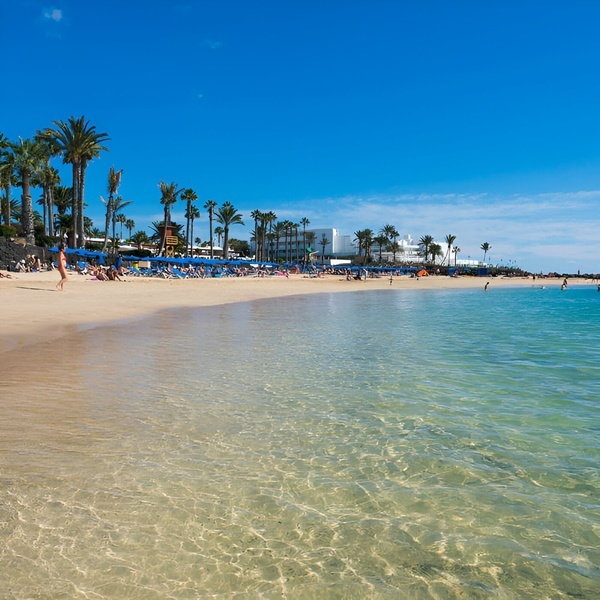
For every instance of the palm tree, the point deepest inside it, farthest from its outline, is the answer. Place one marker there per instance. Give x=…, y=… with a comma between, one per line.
x=285, y=226
x=278, y=232
x=449, y=239
x=359, y=239
x=118, y=205
x=394, y=247
x=188, y=196
x=323, y=243
x=269, y=219
x=390, y=232
x=219, y=233
x=210, y=206
x=228, y=215
x=456, y=251
x=367, y=243
x=169, y=194
x=63, y=197
x=425, y=243
x=8, y=178
x=47, y=178
x=95, y=232
x=63, y=223
x=486, y=248
x=28, y=158
x=296, y=246
x=139, y=238
x=381, y=240
x=121, y=218
x=257, y=216
x=129, y=225
x=79, y=143
x=304, y=222
x=191, y=215
x=114, y=181
x=435, y=251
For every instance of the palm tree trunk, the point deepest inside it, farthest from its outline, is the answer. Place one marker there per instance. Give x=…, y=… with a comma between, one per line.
x=7, y=205
x=192, y=237
x=27, y=211
x=107, y=220
x=45, y=207
x=210, y=226
x=51, y=212
x=187, y=228
x=74, y=205
x=80, y=214
x=225, y=243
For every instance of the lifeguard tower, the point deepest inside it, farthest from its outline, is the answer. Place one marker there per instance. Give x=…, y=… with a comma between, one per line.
x=171, y=239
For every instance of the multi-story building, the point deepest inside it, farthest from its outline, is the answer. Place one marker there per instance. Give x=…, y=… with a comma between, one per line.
x=336, y=247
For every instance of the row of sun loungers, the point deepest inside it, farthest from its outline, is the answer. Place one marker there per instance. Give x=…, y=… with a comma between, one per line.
x=172, y=272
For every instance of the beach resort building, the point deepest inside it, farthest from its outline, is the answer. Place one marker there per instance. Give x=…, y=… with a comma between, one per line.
x=293, y=247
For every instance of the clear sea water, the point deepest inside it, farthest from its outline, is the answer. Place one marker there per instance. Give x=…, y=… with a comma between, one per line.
x=384, y=444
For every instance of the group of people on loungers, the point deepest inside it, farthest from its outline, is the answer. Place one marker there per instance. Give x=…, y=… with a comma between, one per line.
x=101, y=273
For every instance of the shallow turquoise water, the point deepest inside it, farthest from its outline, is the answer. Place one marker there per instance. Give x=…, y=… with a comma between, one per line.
x=418, y=444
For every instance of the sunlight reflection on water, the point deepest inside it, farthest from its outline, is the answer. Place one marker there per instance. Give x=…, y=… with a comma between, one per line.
x=339, y=446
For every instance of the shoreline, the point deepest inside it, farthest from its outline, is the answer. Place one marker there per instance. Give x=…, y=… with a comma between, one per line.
x=33, y=311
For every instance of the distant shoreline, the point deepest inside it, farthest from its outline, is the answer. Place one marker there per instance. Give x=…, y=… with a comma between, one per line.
x=33, y=311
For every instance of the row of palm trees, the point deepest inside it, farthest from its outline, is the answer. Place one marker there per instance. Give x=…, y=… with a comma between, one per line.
x=226, y=214
x=269, y=235
x=387, y=240
x=26, y=163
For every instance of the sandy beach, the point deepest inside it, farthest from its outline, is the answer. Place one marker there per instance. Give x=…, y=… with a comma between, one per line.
x=34, y=311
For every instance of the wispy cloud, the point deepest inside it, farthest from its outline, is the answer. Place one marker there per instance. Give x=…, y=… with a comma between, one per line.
x=212, y=44
x=552, y=231
x=53, y=14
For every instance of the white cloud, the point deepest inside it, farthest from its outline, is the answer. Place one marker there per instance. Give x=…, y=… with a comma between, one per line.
x=551, y=231
x=53, y=14
x=212, y=44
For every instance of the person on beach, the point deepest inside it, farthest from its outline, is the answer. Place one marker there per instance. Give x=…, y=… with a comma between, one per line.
x=486, y=286
x=62, y=268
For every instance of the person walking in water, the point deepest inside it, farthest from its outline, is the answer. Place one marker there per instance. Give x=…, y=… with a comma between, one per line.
x=62, y=268
x=486, y=286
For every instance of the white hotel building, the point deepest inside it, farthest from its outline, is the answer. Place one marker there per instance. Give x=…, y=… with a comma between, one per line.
x=344, y=247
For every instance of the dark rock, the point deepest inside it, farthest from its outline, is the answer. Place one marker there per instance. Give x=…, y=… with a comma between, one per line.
x=11, y=252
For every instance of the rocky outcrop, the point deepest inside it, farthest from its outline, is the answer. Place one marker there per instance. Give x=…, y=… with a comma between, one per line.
x=11, y=252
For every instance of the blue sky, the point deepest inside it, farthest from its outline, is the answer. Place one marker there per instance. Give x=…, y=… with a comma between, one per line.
x=473, y=118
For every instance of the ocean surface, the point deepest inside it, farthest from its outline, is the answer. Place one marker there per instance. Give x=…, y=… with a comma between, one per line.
x=377, y=444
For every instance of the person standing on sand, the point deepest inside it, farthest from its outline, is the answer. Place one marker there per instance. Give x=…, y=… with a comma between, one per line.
x=62, y=268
